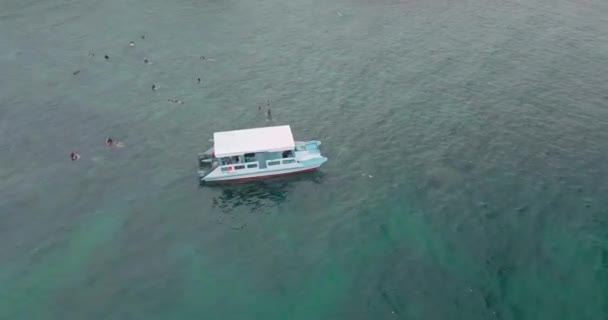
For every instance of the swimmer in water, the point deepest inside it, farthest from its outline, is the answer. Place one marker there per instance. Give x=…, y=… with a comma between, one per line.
x=91, y=54
x=109, y=141
x=107, y=57
x=146, y=61
x=74, y=156
x=143, y=36
x=132, y=44
x=153, y=87
x=199, y=80
x=268, y=115
x=76, y=72
x=259, y=108
x=203, y=58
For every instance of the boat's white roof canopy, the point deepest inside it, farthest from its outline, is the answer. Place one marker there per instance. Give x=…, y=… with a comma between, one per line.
x=238, y=142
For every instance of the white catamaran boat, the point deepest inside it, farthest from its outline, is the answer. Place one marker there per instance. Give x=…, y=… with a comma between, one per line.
x=257, y=153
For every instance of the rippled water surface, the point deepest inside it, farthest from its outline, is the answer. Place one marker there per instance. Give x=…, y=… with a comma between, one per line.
x=468, y=145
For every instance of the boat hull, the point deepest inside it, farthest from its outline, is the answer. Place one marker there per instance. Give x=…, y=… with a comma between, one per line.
x=256, y=178
x=260, y=175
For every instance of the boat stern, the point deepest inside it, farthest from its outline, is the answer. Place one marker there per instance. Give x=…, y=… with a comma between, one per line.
x=206, y=164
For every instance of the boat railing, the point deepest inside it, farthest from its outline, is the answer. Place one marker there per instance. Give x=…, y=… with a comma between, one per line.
x=288, y=160
x=233, y=167
x=276, y=162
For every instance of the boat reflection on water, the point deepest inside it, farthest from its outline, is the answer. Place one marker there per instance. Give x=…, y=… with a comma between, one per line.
x=260, y=195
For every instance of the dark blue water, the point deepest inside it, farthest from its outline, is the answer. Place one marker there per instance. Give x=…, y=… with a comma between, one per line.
x=467, y=146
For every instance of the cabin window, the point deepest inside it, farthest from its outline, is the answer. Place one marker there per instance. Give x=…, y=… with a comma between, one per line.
x=288, y=161
x=274, y=163
x=252, y=165
x=249, y=155
x=239, y=167
x=225, y=169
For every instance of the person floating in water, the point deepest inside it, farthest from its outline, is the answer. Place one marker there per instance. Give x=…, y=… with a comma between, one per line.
x=153, y=87
x=268, y=115
x=109, y=141
x=74, y=156
x=175, y=101
x=107, y=57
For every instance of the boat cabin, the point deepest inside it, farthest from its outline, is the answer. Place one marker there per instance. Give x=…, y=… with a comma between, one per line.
x=254, y=148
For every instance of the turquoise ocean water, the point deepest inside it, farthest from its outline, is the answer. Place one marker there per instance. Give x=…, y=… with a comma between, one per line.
x=467, y=145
